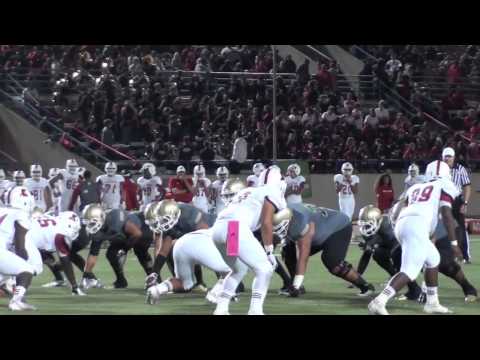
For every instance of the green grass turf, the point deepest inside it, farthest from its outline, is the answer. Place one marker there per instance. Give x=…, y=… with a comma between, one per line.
x=325, y=295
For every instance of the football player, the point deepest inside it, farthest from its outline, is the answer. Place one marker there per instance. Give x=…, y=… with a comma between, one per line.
x=201, y=189
x=216, y=198
x=19, y=177
x=56, y=190
x=39, y=188
x=14, y=223
x=149, y=186
x=4, y=185
x=112, y=196
x=69, y=178
x=417, y=216
x=252, y=180
x=315, y=229
x=413, y=177
x=124, y=232
x=346, y=186
x=56, y=234
x=381, y=244
x=249, y=210
x=295, y=185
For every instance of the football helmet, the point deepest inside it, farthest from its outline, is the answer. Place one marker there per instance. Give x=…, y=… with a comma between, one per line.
x=222, y=173
x=53, y=172
x=162, y=216
x=347, y=169
x=293, y=170
x=19, y=177
x=71, y=165
x=271, y=176
x=150, y=168
x=413, y=170
x=258, y=168
x=81, y=171
x=230, y=188
x=20, y=198
x=37, y=213
x=369, y=220
x=68, y=225
x=2, y=175
x=199, y=171
x=110, y=168
x=93, y=217
x=36, y=171
x=438, y=170
x=281, y=220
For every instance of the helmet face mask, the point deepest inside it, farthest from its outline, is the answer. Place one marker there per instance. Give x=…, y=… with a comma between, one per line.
x=19, y=177
x=258, y=168
x=162, y=216
x=72, y=166
x=36, y=172
x=369, y=220
x=222, y=173
x=347, y=169
x=230, y=189
x=93, y=217
x=293, y=170
x=199, y=171
x=110, y=168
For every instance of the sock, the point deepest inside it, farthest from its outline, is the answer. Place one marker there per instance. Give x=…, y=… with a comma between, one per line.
x=432, y=295
x=259, y=291
x=19, y=293
x=226, y=293
x=360, y=283
x=198, y=274
x=386, y=295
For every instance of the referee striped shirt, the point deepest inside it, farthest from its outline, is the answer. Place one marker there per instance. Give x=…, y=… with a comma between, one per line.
x=460, y=176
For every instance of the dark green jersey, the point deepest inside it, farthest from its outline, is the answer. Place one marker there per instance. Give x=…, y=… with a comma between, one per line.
x=189, y=220
x=111, y=230
x=327, y=222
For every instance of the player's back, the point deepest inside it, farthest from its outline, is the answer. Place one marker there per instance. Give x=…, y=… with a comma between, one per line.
x=8, y=217
x=247, y=204
x=43, y=232
x=252, y=180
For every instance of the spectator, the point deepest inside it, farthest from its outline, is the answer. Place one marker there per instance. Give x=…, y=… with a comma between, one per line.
x=108, y=137
x=371, y=119
x=381, y=111
x=454, y=73
x=330, y=115
x=181, y=186
x=239, y=153
x=303, y=72
x=289, y=65
x=384, y=193
x=185, y=150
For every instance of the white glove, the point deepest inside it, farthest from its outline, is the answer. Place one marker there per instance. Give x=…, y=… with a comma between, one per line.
x=76, y=291
x=271, y=257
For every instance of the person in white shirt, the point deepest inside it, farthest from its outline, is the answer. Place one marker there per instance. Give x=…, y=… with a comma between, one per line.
x=112, y=187
x=393, y=65
x=149, y=186
x=330, y=114
x=381, y=111
x=346, y=186
x=201, y=188
x=295, y=184
x=39, y=188
x=239, y=153
x=413, y=177
x=252, y=180
x=371, y=119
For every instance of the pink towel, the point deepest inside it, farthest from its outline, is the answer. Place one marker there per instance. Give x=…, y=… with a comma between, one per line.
x=232, y=238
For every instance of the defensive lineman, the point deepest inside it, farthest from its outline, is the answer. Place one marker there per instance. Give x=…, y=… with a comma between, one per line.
x=346, y=185
x=39, y=188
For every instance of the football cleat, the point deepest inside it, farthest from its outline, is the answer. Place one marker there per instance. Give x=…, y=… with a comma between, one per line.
x=255, y=312
x=375, y=308
x=121, y=283
x=436, y=309
x=55, y=283
x=91, y=283
x=20, y=305
x=152, y=296
x=370, y=290
x=199, y=289
x=470, y=298
x=151, y=280
x=221, y=312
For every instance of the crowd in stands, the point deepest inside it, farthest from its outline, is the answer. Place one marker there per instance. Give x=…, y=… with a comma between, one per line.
x=128, y=94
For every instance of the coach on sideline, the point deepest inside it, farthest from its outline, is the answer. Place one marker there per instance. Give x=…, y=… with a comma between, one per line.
x=461, y=179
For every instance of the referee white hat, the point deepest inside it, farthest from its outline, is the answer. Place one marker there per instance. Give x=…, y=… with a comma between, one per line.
x=448, y=151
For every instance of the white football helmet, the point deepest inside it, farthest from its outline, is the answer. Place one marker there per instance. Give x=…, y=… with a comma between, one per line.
x=68, y=225
x=19, y=177
x=37, y=213
x=413, y=170
x=258, y=168
x=222, y=173
x=36, y=171
x=71, y=166
x=151, y=169
x=2, y=175
x=293, y=170
x=53, y=172
x=19, y=197
x=347, y=168
x=110, y=168
x=81, y=171
x=271, y=176
x=438, y=170
x=199, y=171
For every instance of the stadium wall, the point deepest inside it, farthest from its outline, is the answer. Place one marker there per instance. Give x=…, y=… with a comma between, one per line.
x=25, y=142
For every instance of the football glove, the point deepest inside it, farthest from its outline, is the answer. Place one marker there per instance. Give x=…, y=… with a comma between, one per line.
x=151, y=280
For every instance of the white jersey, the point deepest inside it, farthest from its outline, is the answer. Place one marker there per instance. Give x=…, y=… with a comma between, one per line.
x=409, y=181
x=294, y=184
x=253, y=179
x=43, y=233
x=68, y=184
x=426, y=199
x=346, y=191
x=37, y=189
x=4, y=186
x=149, y=189
x=217, y=187
x=111, y=186
x=8, y=217
x=247, y=204
x=200, y=200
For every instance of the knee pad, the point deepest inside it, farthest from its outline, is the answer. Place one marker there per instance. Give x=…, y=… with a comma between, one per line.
x=342, y=269
x=450, y=268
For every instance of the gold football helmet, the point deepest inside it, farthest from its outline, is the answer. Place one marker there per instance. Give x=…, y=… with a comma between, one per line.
x=37, y=213
x=162, y=216
x=369, y=220
x=93, y=217
x=230, y=189
x=281, y=220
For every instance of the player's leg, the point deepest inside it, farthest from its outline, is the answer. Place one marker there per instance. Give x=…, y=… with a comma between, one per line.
x=333, y=257
x=55, y=267
x=414, y=290
x=431, y=279
x=112, y=255
x=34, y=256
x=144, y=258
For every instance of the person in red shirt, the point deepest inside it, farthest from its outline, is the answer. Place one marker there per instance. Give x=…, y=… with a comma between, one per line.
x=384, y=192
x=130, y=189
x=180, y=186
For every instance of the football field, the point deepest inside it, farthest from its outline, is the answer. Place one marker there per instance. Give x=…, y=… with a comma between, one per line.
x=326, y=294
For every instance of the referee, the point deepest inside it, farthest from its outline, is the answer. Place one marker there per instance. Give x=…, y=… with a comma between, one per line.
x=461, y=179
